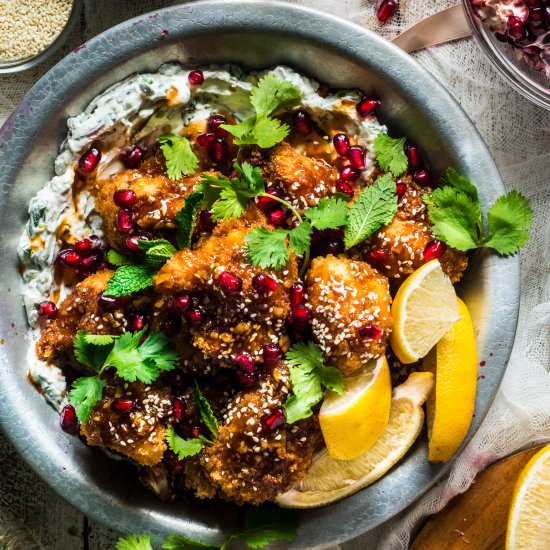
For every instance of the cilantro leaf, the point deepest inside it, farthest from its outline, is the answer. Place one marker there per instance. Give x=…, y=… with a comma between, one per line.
x=268, y=523
x=267, y=248
x=186, y=219
x=374, y=207
x=134, y=542
x=269, y=131
x=252, y=175
x=207, y=415
x=308, y=375
x=328, y=214
x=179, y=542
x=157, y=251
x=129, y=279
x=299, y=238
x=184, y=447
x=180, y=159
x=452, y=178
x=117, y=259
x=84, y=395
x=271, y=93
x=99, y=339
x=390, y=154
x=509, y=221
x=243, y=132
x=91, y=352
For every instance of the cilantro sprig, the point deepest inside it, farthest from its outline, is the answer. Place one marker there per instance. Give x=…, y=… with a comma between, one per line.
x=132, y=357
x=309, y=375
x=455, y=213
x=179, y=157
x=184, y=448
x=390, y=154
x=268, y=96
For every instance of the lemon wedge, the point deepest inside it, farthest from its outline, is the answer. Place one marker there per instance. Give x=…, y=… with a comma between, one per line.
x=329, y=479
x=423, y=310
x=529, y=516
x=450, y=407
x=352, y=422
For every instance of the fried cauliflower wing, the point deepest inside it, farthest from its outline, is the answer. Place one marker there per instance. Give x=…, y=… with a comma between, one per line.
x=351, y=310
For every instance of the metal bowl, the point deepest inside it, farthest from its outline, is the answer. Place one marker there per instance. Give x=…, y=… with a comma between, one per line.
x=256, y=34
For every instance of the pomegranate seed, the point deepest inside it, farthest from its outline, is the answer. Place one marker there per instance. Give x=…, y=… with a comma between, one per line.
x=89, y=160
x=178, y=409
x=124, y=198
x=344, y=187
x=244, y=362
x=124, y=220
x=266, y=204
x=108, y=303
x=214, y=125
x=195, y=78
x=299, y=316
x=276, y=217
x=68, y=420
x=271, y=353
x=516, y=28
x=247, y=379
x=356, y=155
x=204, y=140
x=122, y=406
x=196, y=431
x=132, y=242
x=137, y=322
x=180, y=303
x=84, y=246
x=401, y=189
x=386, y=9
x=275, y=420
x=297, y=295
x=173, y=463
x=69, y=258
x=264, y=284
x=434, y=249
x=349, y=173
x=47, y=310
x=231, y=284
x=375, y=256
x=547, y=16
x=90, y=263
x=195, y=315
x=371, y=332
x=366, y=106
x=423, y=178
x=341, y=143
x=218, y=150
x=302, y=122
x=413, y=156
x=171, y=325
x=206, y=223
x=132, y=157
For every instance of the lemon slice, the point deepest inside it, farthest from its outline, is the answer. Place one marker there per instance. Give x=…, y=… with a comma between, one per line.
x=423, y=310
x=529, y=516
x=329, y=479
x=450, y=407
x=352, y=422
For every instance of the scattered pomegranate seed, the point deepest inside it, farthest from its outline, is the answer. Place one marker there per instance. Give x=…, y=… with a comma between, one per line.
x=271, y=353
x=171, y=325
x=69, y=258
x=205, y=222
x=196, y=431
x=180, y=303
x=423, y=178
x=247, y=379
x=195, y=316
x=413, y=156
x=68, y=420
x=178, y=409
x=83, y=246
x=122, y=406
x=266, y=204
x=89, y=160
x=386, y=9
x=276, y=217
x=244, y=362
x=299, y=316
x=124, y=220
x=375, y=256
x=344, y=187
x=231, y=284
x=264, y=284
x=349, y=173
x=204, y=140
x=515, y=28
x=218, y=150
x=132, y=157
x=401, y=189
x=90, y=263
x=535, y=21
x=274, y=420
x=434, y=249
x=47, y=310
x=137, y=322
x=297, y=294
x=196, y=78
x=357, y=157
x=366, y=106
x=108, y=303
x=132, y=242
x=371, y=332
x=341, y=143
x=302, y=122
x=124, y=198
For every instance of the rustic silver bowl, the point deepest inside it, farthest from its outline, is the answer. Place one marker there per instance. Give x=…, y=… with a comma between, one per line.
x=256, y=34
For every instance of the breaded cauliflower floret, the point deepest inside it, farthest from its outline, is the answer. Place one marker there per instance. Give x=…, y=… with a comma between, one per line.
x=351, y=310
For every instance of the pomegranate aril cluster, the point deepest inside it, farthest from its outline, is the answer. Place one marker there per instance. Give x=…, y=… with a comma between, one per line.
x=247, y=370
x=214, y=140
x=85, y=256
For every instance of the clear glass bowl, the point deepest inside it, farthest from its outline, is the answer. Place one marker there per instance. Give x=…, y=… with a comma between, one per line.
x=534, y=85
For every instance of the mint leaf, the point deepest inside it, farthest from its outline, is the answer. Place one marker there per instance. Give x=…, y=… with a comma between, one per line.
x=328, y=214
x=180, y=159
x=390, y=154
x=117, y=259
x=157, y=251
x=207, y=415
x=85, y=393
x=134, y=542
x=129, y=279
x=374, y=207
x=186, y=219
x=299, y=238
x=184, y=447
x=89, y=352
x=267, y=248
x=179, y=542
x=269, y=523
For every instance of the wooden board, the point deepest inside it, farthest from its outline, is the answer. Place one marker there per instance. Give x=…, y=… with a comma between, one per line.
x=476, y=520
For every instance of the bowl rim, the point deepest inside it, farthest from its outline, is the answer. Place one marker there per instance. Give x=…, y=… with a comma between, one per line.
x=123, y=518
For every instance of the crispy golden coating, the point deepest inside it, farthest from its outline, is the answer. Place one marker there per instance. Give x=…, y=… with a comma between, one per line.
x=347, y=296
x=140, y=434
x=248, y=463
x=241, y=322
x=404, y=240
x=79, y=311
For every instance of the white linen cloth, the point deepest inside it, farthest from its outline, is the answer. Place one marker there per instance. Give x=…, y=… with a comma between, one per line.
x=518, y=135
